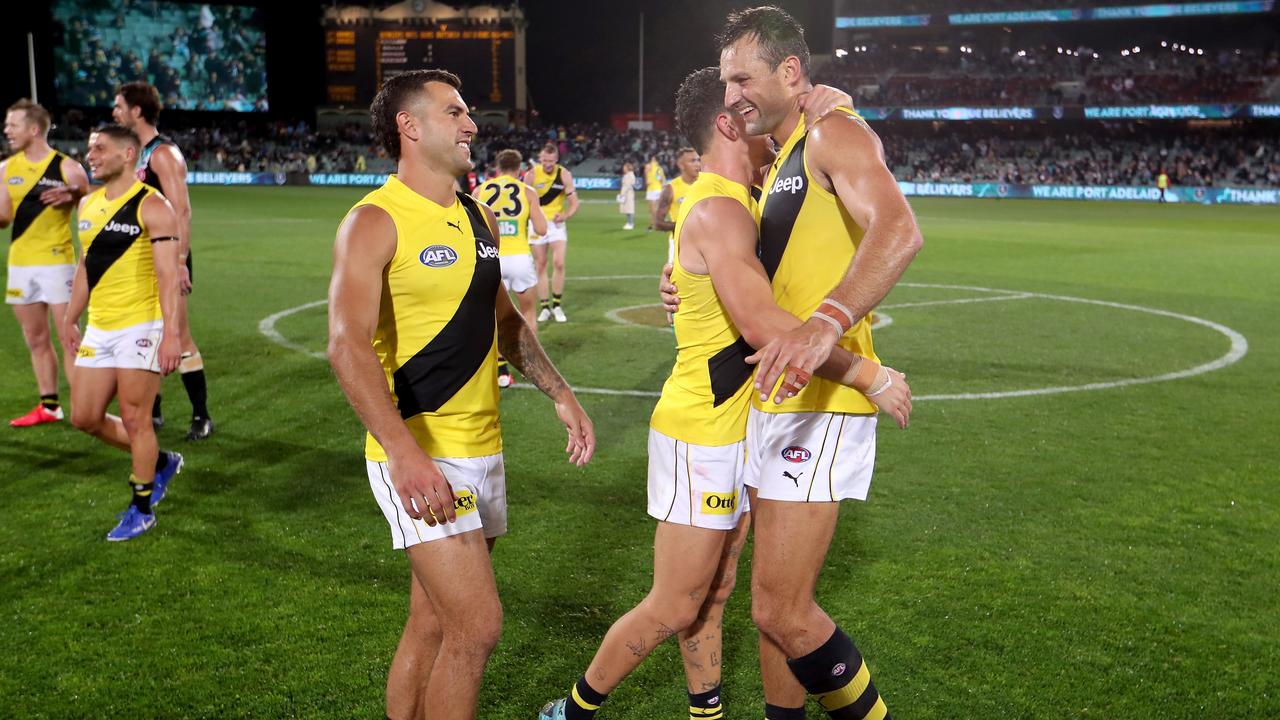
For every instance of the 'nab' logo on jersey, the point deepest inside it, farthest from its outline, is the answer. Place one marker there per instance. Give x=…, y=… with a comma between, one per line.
x=796, y=454
x=438, y=256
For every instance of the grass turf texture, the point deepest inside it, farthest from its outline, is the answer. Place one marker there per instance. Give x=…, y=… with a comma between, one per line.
x=1098, y=554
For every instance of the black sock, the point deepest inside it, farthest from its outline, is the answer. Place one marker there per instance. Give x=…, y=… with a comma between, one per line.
x=141, y=494
x=155, y=407
x=706, y=705
x=546, y=303
x=50, y=401
x=555, y=299
x=777, y=712
x=198, y=392
x=583, y=701
x=837, y=677
x=162, y=459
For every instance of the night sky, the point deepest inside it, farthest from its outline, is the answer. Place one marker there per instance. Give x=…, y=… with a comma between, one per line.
x=582, y=63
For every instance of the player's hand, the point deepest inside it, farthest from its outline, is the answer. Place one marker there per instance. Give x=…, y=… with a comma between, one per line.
x=667, y=289
x=184, y=279
x=797, y=352
x=895, y=398
x=582, y=434
x=558, y=218
x=424, y=491
x=57, y=196
x=170, y=353
x=821, y=100
x=70, y=337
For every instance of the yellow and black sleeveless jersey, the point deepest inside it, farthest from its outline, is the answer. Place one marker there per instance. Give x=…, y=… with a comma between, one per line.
x=505, y=196
x=654, y=177
x=436, y=334
x=123, y=289
x=807, y=241
x=550, y=189
x=706, y=398
x=679, y=190
x=41, y=233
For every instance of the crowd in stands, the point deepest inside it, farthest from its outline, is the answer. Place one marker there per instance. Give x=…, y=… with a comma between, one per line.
x=200, y=57
x=1099, y=153
x=1053, y=75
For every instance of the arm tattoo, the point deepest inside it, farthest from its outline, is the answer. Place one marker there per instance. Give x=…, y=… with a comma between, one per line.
x=521, y=348
x=638, y=648
x=664, y=632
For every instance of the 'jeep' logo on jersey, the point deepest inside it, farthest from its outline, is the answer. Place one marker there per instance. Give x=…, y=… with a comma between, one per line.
x=438, y=256
x=796, y=454
x=485, y=250
x=114, y=226
x=50, y=182
x=793, y=184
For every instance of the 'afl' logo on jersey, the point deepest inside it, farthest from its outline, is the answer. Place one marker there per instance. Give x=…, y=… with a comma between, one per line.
x=85, y=225
x=16, y=181
x=796, y=454
x=438, y=256
x=793, y=184
x=122, y=228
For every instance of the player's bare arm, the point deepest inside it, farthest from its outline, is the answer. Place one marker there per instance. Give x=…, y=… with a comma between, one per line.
x=76, y=186
x=571, y=197
x=849, y=161
x=659, y=219
x=69, y=323
x=723, y=235
x=519, y=345
x=821, y=100
x=365, y=243
x=171, y=168
x=6, y=205
x=536, y=216
x=162, y=224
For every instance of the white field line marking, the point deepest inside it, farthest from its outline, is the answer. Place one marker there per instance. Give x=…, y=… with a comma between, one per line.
x=1239, y=344
x=957, y=301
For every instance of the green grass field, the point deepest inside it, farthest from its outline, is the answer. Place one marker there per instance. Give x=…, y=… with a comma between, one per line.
x=1110, y=553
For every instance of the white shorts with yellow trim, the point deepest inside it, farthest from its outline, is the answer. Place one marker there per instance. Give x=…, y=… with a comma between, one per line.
x=696, y=485
x=31, y=284
x=810, y=456
x=136, y=347
x=517, y=272
x=653, y=195
x=479, y=486
x=556, y=232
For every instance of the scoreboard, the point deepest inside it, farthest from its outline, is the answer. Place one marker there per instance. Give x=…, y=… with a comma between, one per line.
x=359, y=58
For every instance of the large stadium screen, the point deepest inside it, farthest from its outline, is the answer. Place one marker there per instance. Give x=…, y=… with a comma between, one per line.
x=199, y=56
x=359, y=57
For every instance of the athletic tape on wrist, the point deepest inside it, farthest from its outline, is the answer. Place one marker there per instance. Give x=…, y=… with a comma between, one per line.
x=828, y=306
x=840, y=330
x=888, y=383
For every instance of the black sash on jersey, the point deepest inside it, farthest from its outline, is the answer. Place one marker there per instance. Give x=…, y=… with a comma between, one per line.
x=31, y=206
x=553, y=192
x=110, y=245
x=781, y=210
x=149, y=176
x=438, y=371
x=729, y=370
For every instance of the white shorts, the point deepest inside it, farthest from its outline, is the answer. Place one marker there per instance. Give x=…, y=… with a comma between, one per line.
x=31, y=284
x=653, y=195
x=517, y=272
x=556, y=232
x=810, y=456
x=479, y=484
x=134, y=348
x=696, y=485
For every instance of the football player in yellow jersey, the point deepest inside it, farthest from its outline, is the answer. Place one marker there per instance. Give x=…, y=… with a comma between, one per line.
x=515, y=204
x=128, y=279
x=697, y=433
x=673, y=193
x=554, y=184
x=412, y=323
x=42, y=187
x=654, y=178
x=828, y=195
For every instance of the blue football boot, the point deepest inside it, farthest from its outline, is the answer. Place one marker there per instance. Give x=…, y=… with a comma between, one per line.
x=132, y=524
x=172, y=466
x=553, y=710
